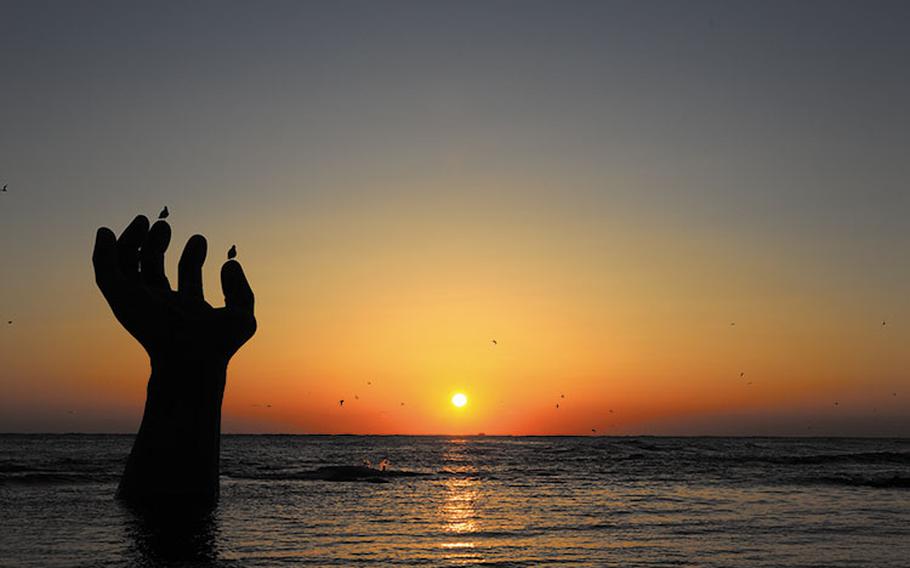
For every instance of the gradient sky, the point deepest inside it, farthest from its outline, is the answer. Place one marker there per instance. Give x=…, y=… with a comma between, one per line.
x=603, y=187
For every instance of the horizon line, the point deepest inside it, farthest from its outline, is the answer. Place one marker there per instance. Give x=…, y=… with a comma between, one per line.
x=480, y=435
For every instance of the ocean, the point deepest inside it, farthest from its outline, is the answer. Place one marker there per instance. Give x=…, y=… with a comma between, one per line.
x=491, y=501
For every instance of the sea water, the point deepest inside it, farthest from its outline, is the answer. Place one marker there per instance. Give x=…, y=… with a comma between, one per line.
x=493, y=501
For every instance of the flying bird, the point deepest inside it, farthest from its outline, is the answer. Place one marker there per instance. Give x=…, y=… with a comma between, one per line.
x=10, y=322
x=268, y=406
x=232, y=252
x=562, y=396
x=164, y=213
x=611, y=411
x=402, y=404
x=356, y=397
x=732, y=323
x=341, y=402
x=494, y=342
x=594, y=430
x=557, y=406
x=369, y=382
x=4, y=187
x=836, y=404
x=742, y=374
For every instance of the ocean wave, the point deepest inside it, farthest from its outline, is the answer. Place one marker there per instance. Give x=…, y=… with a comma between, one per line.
x=55, y=478
x=328, y=473
x=640, y=444
x=821, y=459
x=893, y=482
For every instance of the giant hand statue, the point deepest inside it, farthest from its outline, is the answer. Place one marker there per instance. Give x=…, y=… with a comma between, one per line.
x=189, y=343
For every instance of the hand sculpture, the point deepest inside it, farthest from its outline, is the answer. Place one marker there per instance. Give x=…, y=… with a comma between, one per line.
x=189, y=344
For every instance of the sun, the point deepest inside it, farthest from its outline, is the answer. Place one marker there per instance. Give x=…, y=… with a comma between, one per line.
x=459, y=399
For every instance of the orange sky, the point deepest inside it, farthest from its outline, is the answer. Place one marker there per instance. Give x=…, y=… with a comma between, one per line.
x=602, y=190
x=640, y=325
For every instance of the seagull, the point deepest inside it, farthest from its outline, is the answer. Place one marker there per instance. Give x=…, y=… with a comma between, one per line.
x=164, y=213
x=341, y=402
x=232, y=252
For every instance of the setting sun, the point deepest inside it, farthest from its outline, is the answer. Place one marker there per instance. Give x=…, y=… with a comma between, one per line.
x=459, y=399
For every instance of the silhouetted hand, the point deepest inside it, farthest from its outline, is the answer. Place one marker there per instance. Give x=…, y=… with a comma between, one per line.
x=171, y=324
x=176, y=452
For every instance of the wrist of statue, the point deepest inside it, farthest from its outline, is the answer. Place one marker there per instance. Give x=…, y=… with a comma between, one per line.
x=193, y=382
x=188, y=364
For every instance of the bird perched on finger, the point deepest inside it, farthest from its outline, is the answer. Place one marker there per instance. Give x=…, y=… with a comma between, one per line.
x=164, y=213
x=232, y=252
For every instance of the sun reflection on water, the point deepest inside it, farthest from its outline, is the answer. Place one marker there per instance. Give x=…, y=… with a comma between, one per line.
x=458, y=510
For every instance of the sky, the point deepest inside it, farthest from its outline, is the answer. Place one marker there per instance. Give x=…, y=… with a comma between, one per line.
x=604, y=188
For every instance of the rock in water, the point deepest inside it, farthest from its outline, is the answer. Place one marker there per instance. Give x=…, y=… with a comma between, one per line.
x=232, y=252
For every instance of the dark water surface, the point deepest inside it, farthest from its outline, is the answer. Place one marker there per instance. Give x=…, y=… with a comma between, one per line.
x=487, y=501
